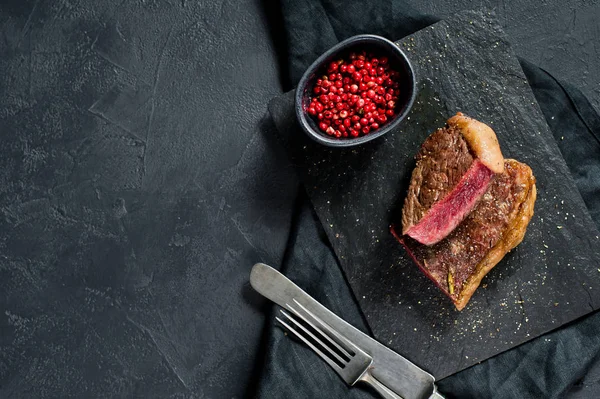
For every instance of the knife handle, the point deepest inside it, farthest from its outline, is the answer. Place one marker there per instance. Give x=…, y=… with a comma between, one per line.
x=381, y=389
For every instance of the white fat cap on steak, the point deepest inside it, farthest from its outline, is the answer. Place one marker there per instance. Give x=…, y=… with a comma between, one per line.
x=481, y=139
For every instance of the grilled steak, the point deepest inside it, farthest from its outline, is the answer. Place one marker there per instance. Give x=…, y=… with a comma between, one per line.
x=459, y=262
x=455, y=166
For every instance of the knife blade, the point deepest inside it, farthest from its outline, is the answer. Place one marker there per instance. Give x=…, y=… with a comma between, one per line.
x=394, y=371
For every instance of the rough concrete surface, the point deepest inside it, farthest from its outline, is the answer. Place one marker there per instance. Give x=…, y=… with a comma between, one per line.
x=138, y=186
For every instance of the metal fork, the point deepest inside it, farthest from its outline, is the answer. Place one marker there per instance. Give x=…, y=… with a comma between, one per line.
x=348, y=360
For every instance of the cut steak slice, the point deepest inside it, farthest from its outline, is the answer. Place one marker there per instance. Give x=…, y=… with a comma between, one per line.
x=454, y=168
x=458, y=263
x=446, y=214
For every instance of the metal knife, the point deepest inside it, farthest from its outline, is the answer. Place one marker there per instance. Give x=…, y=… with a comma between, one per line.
x=394, y=371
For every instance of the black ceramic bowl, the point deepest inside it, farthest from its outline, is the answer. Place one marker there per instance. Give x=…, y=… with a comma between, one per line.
x=378, y=45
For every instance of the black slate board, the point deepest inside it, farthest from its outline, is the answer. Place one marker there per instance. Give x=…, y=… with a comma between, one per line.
x=463, y=64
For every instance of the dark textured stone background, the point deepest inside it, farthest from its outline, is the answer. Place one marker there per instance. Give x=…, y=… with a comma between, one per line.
x=138, y=185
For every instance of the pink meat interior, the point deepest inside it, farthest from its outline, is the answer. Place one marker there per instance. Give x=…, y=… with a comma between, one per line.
x=443, y=217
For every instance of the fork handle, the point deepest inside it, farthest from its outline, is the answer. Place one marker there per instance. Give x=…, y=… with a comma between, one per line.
x=381, y=389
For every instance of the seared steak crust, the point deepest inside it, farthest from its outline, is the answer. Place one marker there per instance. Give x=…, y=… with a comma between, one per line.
x=458, y=263
x=442, y=161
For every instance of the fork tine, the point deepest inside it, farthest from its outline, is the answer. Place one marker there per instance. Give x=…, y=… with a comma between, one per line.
x=344, y=352
x=340, y=338
x=313, y=336
x=333, y=365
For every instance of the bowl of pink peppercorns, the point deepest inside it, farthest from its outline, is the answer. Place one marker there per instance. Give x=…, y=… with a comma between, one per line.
x=357, y=91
